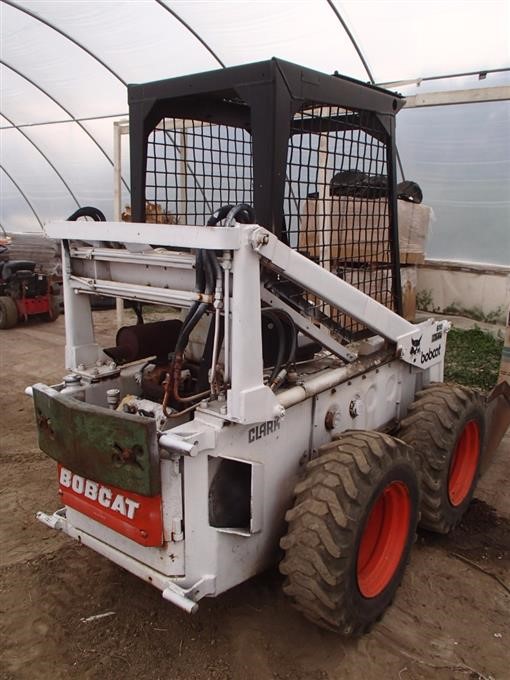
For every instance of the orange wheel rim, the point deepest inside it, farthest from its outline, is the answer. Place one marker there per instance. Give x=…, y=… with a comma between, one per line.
x=383, y=539
x=464, y=463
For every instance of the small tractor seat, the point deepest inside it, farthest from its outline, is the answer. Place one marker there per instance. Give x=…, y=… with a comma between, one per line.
x=23, y=269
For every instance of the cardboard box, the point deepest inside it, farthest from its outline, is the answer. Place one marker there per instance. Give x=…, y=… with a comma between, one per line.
x=409, y=281
x=414, y=221
x=343, y=228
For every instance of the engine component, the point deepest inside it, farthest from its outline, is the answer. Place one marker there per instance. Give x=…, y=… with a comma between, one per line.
x=145, y=340
x=143, y=407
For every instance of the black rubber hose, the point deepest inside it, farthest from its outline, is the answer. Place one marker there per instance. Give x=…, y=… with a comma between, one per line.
x=281, y=341
x=210, y=274
x=87, y=211
x=200, y=273
x=293, y=342
x=243, y=212
x=207, y=268
x=219, y=215
x=218, y=271
x=205, y=283
x=216, y=217
x=190, y=324
x=199, y=288
x=208, y=271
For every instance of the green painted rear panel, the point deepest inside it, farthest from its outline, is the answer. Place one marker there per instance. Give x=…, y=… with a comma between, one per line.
x=115, y=448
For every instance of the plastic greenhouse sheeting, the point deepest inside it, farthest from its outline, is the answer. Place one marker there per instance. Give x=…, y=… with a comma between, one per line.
x=68, y=60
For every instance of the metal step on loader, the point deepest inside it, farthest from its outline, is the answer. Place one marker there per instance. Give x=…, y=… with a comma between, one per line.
x=281, y=409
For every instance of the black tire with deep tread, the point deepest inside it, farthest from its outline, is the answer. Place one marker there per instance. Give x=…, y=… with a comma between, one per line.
x=326, y=524
x=54, y=312
x=8, y=312
x=432, y=428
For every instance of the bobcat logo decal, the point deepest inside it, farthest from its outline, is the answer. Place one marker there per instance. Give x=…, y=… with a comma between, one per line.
x=415, y=346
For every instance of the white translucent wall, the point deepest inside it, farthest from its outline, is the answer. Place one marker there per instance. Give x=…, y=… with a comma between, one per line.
x=460, y=156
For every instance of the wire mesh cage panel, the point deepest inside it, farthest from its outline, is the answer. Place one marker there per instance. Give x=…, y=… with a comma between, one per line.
x=193, y=168
x=313, y=154
x=337, y=203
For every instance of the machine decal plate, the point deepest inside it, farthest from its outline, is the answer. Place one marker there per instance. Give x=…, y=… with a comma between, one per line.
x=130, y=514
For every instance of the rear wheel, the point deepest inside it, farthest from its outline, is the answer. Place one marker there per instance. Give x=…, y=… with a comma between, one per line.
x=8, y=312
x=351, y=530
x=54, y=310
x=446, y=427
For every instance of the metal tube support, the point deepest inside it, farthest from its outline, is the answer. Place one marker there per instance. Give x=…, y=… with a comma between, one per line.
x=313, y=386
x=212, y=377
x=117, y=209
x=170, y=591
x=248, y=399
x=227, y=266
x=172, y=595
x=330, y=288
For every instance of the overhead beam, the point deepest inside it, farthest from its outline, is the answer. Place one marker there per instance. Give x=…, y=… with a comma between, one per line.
x=192, y=31
x=482, y=74
x=63, y=120
x=352, y=39
x=471, y=96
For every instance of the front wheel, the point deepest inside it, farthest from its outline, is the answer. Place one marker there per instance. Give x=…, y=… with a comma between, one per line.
x=351, y=530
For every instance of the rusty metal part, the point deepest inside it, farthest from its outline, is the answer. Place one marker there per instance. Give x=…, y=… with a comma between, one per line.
x=178, y=414
x=498, y=420
x=154, y=380
x=172, y=382
x=332, y=418
x=175, y=375
x=145, y=340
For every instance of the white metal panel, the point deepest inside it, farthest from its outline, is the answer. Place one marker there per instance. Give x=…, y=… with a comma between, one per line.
x=178, y=236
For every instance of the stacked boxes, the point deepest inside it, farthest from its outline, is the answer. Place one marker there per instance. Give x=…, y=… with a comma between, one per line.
x=350, y=235
x=346, y=227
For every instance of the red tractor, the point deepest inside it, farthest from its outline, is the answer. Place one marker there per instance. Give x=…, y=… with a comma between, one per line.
x=24, y=293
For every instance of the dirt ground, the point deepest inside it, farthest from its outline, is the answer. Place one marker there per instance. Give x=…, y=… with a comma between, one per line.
x=449, y=620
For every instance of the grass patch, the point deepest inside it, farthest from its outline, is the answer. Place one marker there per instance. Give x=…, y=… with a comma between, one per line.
x=472, y=358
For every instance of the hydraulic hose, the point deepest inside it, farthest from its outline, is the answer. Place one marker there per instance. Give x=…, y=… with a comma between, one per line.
x=209, y=279
x=219, y=215
x=279, y=372
x=87, y=211
x=281, y=342
x=293, y=339
x=191, y=322
x=243, y=212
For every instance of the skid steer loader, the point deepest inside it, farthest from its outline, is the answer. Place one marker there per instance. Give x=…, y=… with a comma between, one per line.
x=282, y=408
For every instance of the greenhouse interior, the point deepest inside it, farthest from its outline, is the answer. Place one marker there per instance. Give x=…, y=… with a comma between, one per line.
x=65, y=126
x=255, y=339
